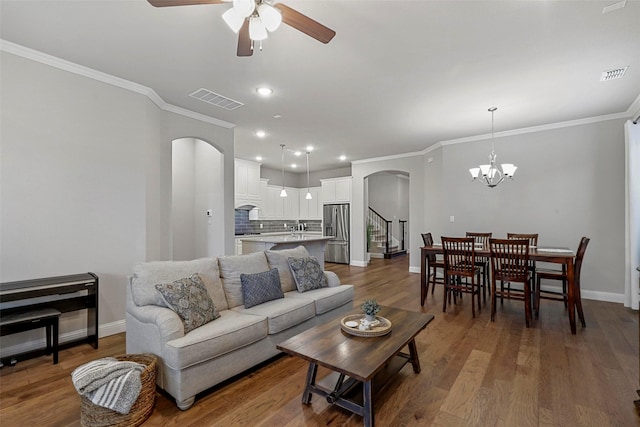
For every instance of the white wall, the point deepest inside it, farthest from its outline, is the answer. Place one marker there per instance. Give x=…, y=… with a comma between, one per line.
x=183, y=199
x=86, y=180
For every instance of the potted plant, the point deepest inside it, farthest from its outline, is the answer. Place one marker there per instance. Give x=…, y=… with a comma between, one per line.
x=370, y=308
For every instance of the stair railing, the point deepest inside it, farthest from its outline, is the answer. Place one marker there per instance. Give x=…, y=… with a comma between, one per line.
x=403, y=233
x=378, y=224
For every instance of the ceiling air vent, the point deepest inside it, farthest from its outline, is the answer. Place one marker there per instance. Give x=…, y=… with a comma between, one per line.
x=216, y=99
x=613, y=74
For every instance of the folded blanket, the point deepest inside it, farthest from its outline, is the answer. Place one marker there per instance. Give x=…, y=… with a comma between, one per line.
x=109, y=383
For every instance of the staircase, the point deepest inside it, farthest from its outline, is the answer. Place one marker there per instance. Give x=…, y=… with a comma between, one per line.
x=380, y=240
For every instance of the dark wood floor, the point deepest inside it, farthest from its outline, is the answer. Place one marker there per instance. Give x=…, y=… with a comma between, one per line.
x=474, y=372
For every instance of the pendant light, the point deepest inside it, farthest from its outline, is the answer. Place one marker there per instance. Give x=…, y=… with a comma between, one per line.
x=489, y=174
x=283, y=193
x=308, y=196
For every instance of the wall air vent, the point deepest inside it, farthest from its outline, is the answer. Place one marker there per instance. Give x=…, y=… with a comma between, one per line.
x=216, y=99
x=613, y=74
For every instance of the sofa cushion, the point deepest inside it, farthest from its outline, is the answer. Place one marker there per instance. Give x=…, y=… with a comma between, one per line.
x=279, y=260
x=282, y=313
x=146, y=275
x=190, y=299
x=229, y=332
x=307, y=273
x=260, y=287
x=230, y=269
x=326, y=299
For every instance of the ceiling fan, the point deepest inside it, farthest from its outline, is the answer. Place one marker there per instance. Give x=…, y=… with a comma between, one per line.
x=251, y=19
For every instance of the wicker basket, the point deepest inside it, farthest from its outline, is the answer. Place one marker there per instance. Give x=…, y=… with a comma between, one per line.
x=97, y=416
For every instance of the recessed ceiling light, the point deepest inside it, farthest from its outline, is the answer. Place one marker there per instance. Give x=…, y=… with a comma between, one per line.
x=264, y=91
x=259, y=158
x=298, y=153
x=309, y=147
x=343, y=158
x=277, y=116
x=293, y=165
x=261, y=133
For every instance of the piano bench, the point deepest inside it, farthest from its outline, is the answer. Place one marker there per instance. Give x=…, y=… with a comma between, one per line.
x=45, y=318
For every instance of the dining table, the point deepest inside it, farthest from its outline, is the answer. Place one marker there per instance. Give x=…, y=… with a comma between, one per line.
x=554, y=255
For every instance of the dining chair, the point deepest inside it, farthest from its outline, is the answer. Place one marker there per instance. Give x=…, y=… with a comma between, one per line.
x=533, y=242
x=552, y=274
x=461, y=274
x=434, y=264
x=482, y=240
x=510, y=263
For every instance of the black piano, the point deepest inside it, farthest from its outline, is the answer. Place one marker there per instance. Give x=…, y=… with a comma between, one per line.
x=65, y=293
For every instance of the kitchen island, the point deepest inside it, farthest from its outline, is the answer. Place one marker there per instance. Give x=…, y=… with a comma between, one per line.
x=315, y=243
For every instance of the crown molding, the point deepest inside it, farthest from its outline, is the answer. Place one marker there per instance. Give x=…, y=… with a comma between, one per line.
x=43, y=58
x=634, y=108
x=540, y=128
x=391, y=157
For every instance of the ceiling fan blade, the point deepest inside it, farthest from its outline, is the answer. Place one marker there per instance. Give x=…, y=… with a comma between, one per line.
x=165, y=3
x=305, y=24
x=244, y=41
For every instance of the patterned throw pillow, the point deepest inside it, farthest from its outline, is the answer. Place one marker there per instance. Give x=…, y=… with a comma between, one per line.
x=260, y=287
x=307, y=273
x=189, y=298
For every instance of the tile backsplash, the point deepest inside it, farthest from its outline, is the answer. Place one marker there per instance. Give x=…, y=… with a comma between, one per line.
x=244, y=225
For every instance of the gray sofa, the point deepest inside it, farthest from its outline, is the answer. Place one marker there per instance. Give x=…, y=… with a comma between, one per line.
x=241, y=337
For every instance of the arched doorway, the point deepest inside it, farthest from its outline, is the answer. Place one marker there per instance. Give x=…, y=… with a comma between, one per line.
x=387, y=212
x=197, y=187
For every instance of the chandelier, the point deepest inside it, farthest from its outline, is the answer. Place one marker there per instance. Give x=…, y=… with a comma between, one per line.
x=262, y=18
x=489, y=174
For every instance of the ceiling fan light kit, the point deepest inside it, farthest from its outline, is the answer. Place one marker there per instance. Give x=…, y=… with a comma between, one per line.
x=251, y=19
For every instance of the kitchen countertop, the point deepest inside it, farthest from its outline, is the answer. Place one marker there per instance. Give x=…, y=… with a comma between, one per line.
x=280, y=238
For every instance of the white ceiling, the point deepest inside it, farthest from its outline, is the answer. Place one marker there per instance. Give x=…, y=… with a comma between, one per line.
x=398, y=77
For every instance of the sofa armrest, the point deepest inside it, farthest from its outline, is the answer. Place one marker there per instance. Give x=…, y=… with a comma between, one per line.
x=165, y=321
x=332, y=279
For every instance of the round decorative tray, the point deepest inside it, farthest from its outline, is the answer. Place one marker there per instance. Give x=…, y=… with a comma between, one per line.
x=383, y=328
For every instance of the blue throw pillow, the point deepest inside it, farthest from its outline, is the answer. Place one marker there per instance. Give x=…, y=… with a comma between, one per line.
x=260, y=287
x=307, y=273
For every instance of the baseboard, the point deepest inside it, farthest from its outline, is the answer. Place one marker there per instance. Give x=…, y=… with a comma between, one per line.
x=358, y=263
x=103, y=331
x=414, y=269
x=376, y=255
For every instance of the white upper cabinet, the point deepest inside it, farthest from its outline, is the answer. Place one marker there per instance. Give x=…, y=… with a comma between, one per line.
x=336, y=190
x=310, y=209
x=247, y=183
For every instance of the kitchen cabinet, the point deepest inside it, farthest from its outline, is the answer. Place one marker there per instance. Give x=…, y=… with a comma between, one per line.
x=310, y=209
x=247, y=183
x=336, y=190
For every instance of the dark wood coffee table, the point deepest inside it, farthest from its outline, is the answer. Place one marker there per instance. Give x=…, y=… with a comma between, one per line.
x=361, y=365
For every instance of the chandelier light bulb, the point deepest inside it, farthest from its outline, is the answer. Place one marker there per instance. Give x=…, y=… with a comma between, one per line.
x=308, y=196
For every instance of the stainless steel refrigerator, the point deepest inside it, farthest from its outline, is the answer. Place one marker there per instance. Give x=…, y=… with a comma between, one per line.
x=336, y=223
